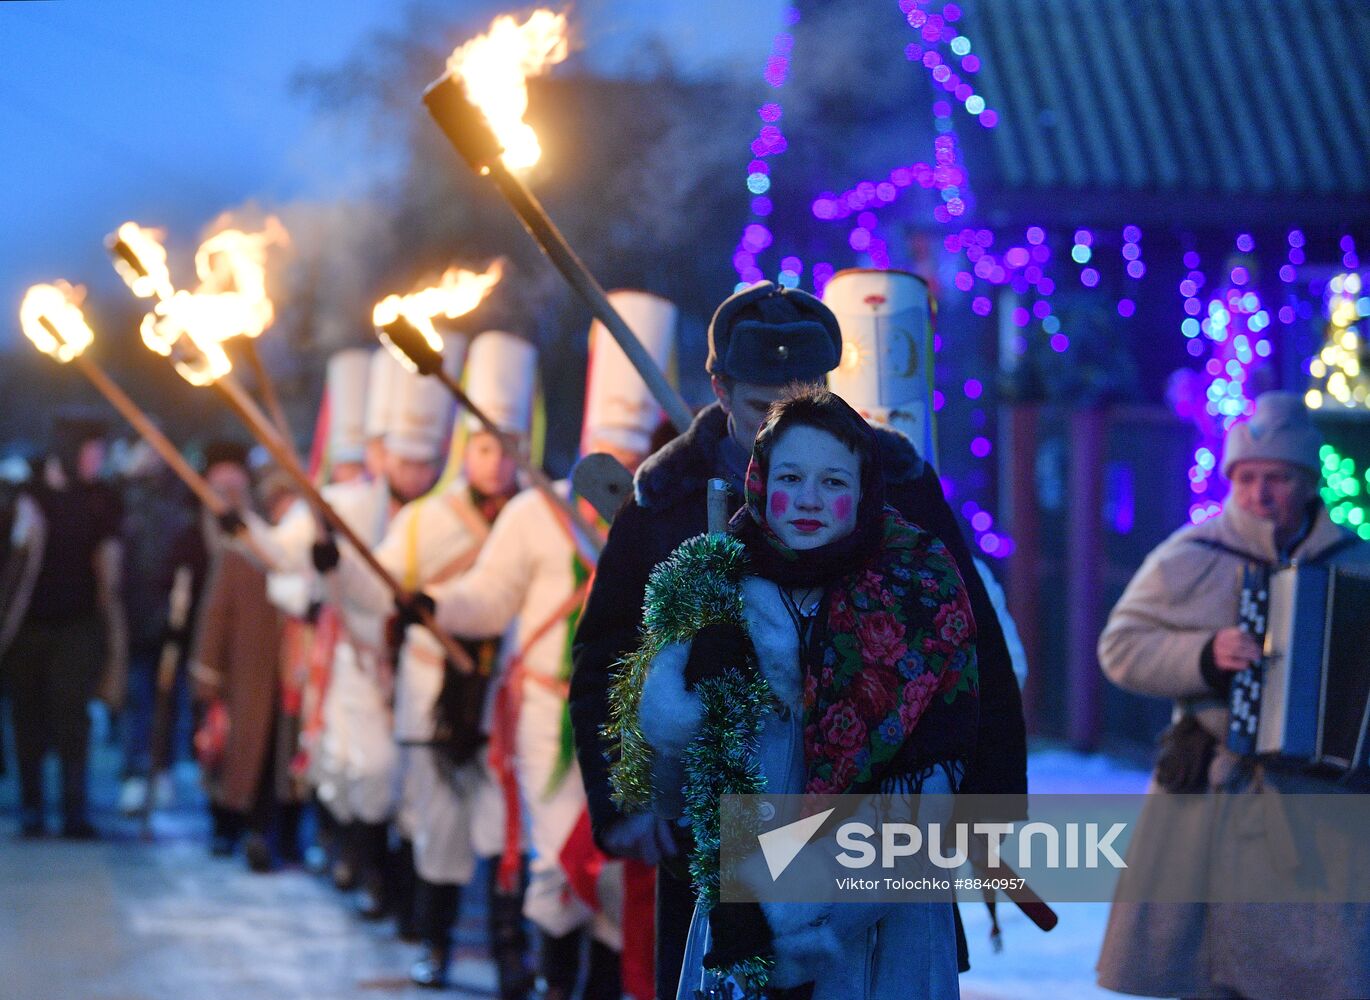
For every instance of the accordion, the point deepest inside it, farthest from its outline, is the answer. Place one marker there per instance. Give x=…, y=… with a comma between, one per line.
x=1315, y=702
x=1245, y=697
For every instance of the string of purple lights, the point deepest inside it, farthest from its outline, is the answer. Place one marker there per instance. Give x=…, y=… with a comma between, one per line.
x=1226, y=328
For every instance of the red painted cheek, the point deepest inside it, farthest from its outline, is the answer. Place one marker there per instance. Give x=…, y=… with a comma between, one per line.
x=780, y=502
x=841, y=508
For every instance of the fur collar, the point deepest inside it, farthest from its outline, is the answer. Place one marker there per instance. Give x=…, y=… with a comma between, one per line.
x=774, y=639
x=681, y=470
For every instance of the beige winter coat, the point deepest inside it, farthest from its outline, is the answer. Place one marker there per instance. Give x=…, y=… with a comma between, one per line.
x=1183, y=593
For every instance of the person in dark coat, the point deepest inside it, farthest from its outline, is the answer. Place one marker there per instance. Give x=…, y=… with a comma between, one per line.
x=162, y=543
x=236, y=664
x=760, y=340
x=70, y=647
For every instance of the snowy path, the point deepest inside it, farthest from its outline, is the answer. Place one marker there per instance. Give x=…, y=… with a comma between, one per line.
x=125, y=920
x=1058, y=965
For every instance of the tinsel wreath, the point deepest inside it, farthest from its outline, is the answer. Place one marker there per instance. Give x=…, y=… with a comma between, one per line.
x=699, y=585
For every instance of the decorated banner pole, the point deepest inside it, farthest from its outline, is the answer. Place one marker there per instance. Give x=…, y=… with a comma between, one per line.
x=470, y=132
x=409, y=343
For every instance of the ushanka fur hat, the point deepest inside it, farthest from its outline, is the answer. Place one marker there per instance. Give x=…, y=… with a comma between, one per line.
x=1279, y=431
x=769, y=335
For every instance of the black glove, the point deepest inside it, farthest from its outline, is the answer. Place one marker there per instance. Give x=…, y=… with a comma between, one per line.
x=408, y=610
x=231, y=522
x=713, y=649
x=739, y=931
x=311, y=613
x=325, y=555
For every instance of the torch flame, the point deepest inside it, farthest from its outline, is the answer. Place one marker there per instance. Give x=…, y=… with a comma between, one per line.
x=231, y=266
x=140, y=259
x=184, y=328
x=494, y=68
x=457, y=292
x=51, y=317
x=230, y=300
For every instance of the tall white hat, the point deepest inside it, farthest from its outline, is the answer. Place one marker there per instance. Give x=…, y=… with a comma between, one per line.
x=346, y=381
x=619, y=408
x=380, y=390
x=421, y=407
x=420, y=418
x=885, y=371
x=501, y=372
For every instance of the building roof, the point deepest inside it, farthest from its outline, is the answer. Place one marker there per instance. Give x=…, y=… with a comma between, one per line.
x=1242, y=99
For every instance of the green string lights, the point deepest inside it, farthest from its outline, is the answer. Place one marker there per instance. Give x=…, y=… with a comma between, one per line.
x=1344, y=491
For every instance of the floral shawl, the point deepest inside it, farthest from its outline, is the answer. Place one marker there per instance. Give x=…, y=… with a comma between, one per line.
x=891, y=685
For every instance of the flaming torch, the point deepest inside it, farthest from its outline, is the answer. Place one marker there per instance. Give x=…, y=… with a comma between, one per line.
x=404, y=324
x=140, y=259
x=457, y=292
x=230, y=301
x=479, y=105
x=52, y=319
x=233, y=263
x=185, y=355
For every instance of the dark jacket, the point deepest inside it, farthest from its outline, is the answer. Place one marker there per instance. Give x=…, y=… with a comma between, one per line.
x=160, y=533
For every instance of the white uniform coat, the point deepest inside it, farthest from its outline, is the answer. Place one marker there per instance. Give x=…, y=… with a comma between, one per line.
x=357, y=760
x=452, y=817
x=525, y=573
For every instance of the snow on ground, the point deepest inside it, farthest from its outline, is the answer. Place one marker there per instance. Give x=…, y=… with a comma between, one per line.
x=163, y=920
x=1058, y=965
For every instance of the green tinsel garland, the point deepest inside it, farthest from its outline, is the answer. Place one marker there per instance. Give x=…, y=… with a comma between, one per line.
x=698, y=586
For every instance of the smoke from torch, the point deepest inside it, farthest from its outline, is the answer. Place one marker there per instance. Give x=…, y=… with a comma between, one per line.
x=494, y=69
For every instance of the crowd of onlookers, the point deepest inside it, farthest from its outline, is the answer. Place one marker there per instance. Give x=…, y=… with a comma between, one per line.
x=105, y=564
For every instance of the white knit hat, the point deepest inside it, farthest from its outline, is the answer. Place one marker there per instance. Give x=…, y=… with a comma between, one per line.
x=1279, y=431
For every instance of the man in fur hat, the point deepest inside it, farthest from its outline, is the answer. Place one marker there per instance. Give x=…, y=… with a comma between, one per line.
x=760, y=340
x=1174, y=634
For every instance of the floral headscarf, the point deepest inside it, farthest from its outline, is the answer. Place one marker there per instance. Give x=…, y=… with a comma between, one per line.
x=891, y=685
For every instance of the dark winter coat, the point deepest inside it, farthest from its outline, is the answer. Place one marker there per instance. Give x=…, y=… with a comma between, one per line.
x=158, y=523
x=669, y=506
